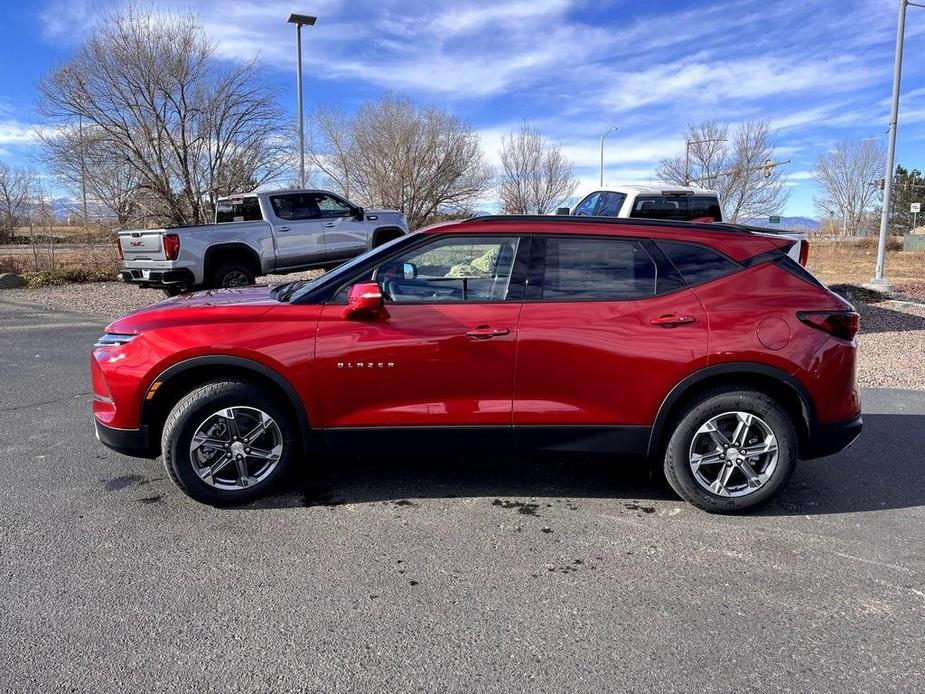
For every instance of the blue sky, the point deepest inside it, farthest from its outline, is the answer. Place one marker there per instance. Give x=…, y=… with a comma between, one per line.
x=820, y=71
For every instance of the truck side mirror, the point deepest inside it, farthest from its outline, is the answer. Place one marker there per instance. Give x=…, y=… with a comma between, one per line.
x=359, y=213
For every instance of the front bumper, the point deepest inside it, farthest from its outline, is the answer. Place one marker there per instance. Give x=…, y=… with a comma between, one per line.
x=828, y=438
x=133, y=442
x=181, y=277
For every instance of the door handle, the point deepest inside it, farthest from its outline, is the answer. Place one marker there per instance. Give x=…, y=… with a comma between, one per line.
x=330, y=224
x=672, y=320
x=485, y=332
x=282, y=228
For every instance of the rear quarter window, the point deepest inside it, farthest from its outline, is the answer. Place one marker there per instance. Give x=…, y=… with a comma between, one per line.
x=697, y=264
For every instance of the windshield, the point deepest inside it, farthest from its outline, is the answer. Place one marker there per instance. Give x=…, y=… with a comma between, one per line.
x=341, y=272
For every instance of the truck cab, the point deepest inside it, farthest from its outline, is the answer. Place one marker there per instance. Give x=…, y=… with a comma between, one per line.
x=681, y=203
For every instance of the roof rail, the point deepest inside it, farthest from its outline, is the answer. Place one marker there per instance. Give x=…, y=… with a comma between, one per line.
x=619, y=221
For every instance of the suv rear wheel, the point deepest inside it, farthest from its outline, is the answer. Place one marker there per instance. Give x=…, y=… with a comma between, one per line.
x=731, y=450
x=228, y=443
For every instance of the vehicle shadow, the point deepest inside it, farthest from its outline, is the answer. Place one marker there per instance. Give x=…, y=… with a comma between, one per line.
x=884, y=469
x=879, y=319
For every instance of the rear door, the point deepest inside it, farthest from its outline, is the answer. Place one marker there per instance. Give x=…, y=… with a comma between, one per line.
x=298, y=230
x=345, y=232
x=607, y=329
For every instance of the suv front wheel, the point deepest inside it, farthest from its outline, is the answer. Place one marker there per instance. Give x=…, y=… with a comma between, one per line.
x=731, y=450
x=228, y=442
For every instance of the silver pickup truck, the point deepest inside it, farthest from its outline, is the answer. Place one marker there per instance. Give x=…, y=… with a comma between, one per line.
x=255, y=234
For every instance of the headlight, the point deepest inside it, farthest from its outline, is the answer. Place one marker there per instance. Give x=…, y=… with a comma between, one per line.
x=114, y=340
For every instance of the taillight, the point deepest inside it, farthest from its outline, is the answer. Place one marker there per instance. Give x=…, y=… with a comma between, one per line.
x=171, y=246
x=840, y=324
x=804, y=252
x=119, y=248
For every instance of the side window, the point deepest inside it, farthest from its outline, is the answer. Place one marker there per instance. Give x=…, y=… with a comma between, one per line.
x=697, y=264
x=586, y=207
x=451, y=270
x=295, y=206
x=329, y=206
x=610, y=204
x=596, y=269
x=238, y=210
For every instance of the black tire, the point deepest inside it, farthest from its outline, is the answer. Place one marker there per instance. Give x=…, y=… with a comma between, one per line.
x=233, y=273
x=173, y=291
x=677, y=465
x=200, y=405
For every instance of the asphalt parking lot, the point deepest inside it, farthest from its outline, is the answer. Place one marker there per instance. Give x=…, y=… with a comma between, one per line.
x=454, y=573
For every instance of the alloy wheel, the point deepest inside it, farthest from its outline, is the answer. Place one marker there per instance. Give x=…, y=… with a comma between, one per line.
x=733, y=454
x=235, y=278
x=236, y=448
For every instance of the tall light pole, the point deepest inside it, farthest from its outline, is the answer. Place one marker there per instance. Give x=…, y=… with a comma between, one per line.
x=300, y=20
x=603, y=136
x=879, y=279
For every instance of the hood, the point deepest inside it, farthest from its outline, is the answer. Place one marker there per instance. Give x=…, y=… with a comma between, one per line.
x=214, y=305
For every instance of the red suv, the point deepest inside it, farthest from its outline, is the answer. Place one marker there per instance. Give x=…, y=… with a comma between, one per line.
x=702, y=347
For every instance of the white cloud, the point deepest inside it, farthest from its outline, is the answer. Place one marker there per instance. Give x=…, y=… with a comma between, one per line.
x=17, y=133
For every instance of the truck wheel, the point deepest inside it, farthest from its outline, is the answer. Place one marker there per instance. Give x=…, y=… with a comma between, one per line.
x=732, y=449
x=232, y=274
x=228, y=442
x=173, y=291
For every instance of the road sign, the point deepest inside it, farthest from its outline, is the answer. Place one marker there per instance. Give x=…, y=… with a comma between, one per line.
x=774, y=220
x=915, y=207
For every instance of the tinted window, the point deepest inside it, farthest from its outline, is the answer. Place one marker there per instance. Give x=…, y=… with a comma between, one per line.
x=597, y=269
x=329, y=206
x=450, y=270
x=610, y=204
x=295, y=206
x=586, y=207
x=681, y=207
x=238, y=210
x=697, y=264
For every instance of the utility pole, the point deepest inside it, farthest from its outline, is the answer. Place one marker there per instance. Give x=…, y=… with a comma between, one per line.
x=687, y=156
x=604, y=135
x=300, y=20
x=879, y=278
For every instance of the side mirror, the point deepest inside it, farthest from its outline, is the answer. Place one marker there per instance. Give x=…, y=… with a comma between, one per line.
x=409, y=271
x=359, y=213
x=364, y=298
x=563, y=211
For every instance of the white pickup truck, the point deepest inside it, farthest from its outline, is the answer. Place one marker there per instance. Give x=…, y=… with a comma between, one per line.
x=255, y=234
x=681, y=203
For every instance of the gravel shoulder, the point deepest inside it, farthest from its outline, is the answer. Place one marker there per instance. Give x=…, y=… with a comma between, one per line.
x=891, y=346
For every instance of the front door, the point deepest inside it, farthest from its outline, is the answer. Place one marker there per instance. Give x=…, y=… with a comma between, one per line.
x=441, y=352
x=345, y=233
x=298, y=230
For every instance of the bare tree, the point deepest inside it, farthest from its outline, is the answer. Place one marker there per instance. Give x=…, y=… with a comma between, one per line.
x=180, y=127
x=731, y=166
x=536, y=177
x=845, y=175
x=422, y=161
x=16, y=193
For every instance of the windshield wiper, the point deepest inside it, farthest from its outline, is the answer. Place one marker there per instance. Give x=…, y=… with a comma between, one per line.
x=286, y=290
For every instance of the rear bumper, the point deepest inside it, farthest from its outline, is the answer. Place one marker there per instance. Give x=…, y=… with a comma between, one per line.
x=133, y=442
x=181, y=277
x=828, y=438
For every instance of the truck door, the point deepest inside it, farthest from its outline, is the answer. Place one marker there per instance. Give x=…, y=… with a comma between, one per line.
x=346, y=233
x=297, y=229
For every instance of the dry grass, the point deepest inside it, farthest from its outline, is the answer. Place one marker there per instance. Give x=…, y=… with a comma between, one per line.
x=50, y=264
x=852, y=262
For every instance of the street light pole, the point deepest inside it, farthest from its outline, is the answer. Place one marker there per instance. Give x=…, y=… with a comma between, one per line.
x=879, y=279
x=604, y=135
x=300, y=20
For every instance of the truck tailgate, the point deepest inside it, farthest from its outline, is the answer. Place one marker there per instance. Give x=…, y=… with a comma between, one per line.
x=142, y=245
